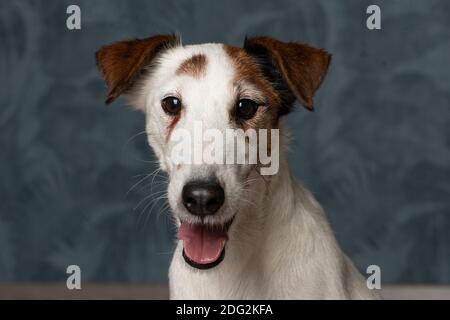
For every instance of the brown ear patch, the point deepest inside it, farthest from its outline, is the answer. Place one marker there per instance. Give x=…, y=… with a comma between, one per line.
x=121, y=63
x=302, y=67
x=195, y=66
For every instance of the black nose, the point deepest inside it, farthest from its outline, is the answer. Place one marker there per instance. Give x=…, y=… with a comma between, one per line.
x=203, y=198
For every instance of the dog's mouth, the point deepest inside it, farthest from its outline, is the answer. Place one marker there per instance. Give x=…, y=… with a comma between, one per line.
x=203, y=245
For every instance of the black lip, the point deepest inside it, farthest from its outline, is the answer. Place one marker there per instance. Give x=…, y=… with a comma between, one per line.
x=206, y=265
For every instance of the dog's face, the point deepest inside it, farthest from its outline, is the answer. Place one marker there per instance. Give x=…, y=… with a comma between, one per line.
x=189, y=90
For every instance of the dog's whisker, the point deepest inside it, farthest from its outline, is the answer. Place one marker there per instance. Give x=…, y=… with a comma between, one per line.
x=162, y=210
x=140, y=175
x=132, y=137
x=153, y=201
x=147, y=197
x=164, y=252
x=139, y=204
x=146, y=176
x=141, y=213
x=248, y=190
x=137, y=183
x=155, y=162
x=266, y=182
x=151, y=209
x=249, y=202
x=157, y=171
x=250, y=180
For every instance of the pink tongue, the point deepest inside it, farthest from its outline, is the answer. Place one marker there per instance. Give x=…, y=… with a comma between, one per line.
x=201, y=244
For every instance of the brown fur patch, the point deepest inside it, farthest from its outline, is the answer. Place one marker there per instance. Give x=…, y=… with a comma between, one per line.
x=247, y=70
x=195, y=66
x=283, y=72
x=122, y=62
x=301, y=66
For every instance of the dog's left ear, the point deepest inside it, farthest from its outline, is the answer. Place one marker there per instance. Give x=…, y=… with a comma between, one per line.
x=302, y=67
x=122, y=63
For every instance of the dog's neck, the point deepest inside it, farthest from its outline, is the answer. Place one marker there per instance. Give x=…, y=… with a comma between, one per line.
x=281, y=191
x=277, y=204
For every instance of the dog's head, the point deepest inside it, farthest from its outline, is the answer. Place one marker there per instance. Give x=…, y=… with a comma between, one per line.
x=208, y=90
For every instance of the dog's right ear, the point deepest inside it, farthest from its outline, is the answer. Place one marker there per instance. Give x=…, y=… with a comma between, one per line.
x=301, y=66
x=122, y=63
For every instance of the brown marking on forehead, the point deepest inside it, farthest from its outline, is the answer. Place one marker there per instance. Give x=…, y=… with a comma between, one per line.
x=194, y=66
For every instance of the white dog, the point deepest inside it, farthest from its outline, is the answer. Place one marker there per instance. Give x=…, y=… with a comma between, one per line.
x=241, y=235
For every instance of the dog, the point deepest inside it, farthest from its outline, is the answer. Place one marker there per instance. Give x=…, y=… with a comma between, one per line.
x=241, y=235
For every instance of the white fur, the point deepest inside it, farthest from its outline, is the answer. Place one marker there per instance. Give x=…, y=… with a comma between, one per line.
x=280, y=244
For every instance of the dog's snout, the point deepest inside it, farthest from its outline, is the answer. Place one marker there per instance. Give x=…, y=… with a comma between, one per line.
x=203, y=198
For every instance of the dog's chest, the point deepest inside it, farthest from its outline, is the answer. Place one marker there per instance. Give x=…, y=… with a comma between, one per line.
x=222, y=282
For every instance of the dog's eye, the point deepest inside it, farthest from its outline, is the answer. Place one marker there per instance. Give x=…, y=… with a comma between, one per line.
x=246, y=109
x=171, y=105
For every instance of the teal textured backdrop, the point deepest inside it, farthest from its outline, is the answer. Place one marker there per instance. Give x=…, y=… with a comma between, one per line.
x=376, y=152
